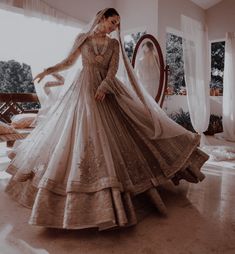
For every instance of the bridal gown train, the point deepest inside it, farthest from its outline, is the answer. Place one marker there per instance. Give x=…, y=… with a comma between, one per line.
x=91, y=159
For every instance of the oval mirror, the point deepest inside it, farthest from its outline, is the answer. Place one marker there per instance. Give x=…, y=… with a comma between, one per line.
x=149, y=66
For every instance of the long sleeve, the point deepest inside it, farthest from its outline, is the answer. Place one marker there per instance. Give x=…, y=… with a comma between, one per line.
x=113, y=68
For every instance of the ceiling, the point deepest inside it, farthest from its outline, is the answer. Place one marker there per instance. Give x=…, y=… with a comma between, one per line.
x=206, y=4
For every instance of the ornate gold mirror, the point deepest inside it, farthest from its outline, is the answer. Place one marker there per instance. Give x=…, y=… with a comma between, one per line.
x=149, y=66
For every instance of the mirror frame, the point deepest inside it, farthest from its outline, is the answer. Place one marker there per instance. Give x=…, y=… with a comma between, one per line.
x=163, y=69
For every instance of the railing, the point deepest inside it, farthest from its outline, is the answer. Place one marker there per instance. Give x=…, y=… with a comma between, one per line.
x=9, y=104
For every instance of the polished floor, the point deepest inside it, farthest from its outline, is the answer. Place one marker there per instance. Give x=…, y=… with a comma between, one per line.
x=201, y=220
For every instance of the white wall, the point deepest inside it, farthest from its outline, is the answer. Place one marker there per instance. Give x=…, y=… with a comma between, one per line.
x=83, y=10
x=170, y=15
x=221, y=19
x=138, y=14
x=174, y=103
x=155, y=15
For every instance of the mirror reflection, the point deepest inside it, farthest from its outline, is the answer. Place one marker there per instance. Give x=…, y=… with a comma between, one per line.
x=147, y=66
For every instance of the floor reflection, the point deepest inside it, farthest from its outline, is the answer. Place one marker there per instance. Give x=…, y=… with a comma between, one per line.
x=201, y=220
x=215, y=196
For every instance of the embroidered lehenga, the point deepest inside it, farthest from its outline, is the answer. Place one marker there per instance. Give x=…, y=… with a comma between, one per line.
x=86, y=164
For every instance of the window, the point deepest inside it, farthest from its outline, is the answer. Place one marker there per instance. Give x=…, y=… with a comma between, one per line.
x=217, y=68
x=174, y=59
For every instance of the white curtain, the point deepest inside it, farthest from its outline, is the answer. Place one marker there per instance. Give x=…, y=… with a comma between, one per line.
x=229, y=88
x=196, y=67
x=40, y=39
x=223, y=150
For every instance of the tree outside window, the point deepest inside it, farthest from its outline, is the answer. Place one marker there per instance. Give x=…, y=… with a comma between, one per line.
x=174, y=59
x=17, y=77
x=217, y=67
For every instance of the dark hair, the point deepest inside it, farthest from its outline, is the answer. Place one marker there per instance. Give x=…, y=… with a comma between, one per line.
x=149, y=44
x=110, y=13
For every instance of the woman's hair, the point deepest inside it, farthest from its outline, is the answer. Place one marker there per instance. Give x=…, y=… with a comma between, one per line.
x=110, y=13
x=149, y=45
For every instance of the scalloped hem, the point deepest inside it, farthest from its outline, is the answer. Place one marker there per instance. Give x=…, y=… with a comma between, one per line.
x=109, y=204
x=105, y=209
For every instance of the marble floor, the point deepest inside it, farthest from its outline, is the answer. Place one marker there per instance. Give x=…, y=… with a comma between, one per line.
x=201, y=220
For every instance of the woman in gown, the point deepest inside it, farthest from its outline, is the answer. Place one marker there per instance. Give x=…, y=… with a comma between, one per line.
x=102, y=144
x=148, y=68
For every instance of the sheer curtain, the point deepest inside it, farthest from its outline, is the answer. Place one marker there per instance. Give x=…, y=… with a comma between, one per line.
x=229, y=88
x=196, y=67
x=224, y=150
x=36, y=34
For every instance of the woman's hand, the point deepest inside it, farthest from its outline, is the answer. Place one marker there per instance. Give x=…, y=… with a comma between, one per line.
x=100, y=95
x=40, y=76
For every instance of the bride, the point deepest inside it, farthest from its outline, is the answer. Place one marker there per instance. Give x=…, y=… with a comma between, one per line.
x=101, y=143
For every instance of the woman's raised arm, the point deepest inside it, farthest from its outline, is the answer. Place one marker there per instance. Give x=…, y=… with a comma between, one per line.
x=63, y=65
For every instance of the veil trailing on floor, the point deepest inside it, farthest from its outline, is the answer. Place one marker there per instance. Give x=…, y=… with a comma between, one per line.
x=162, y=125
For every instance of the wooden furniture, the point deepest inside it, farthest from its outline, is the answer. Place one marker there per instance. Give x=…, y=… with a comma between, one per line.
x=9, y=106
